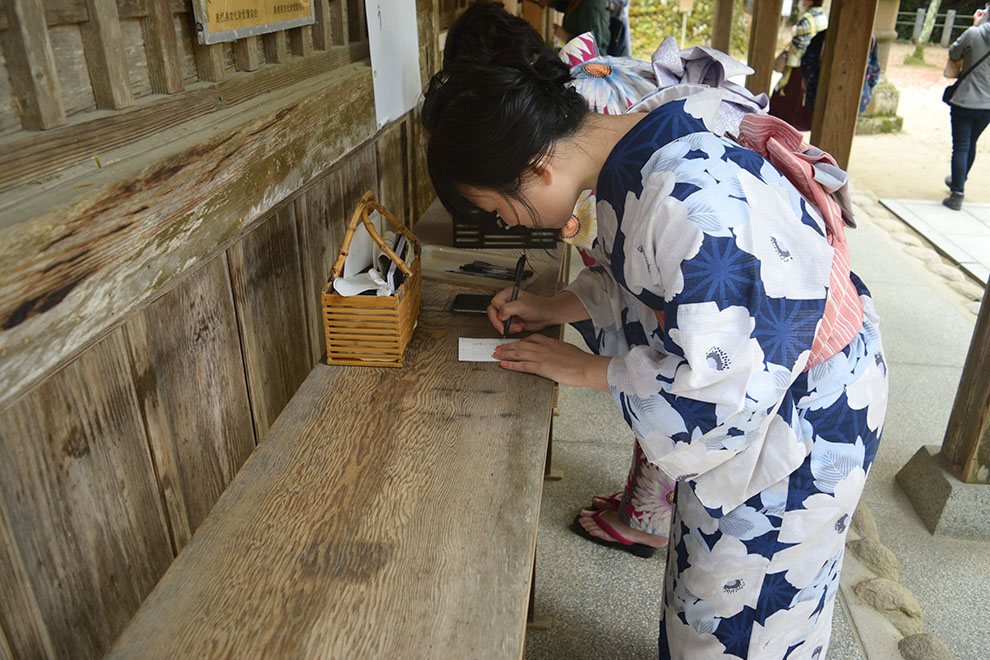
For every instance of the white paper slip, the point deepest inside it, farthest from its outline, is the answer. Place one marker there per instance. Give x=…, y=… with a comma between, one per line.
x=479, y=350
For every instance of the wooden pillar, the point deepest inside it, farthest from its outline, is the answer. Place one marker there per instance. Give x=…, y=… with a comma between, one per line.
x=722, y=25
x=31, y=65
x=966, y=446
x=104, y=50
x=162, y=47
x=840, y=83
x=763, y=43
x=276, y=47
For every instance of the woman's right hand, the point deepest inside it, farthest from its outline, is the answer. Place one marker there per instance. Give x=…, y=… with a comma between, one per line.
x=528, y=311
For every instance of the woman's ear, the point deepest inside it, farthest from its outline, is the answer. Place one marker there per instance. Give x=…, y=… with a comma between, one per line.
x=543, y=172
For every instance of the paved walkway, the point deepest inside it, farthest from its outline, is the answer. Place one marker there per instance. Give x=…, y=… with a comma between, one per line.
x=963, y=236
x=605, y=603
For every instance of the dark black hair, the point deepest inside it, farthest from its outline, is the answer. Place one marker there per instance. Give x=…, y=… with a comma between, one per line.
x=489, y=124
x=484, y=30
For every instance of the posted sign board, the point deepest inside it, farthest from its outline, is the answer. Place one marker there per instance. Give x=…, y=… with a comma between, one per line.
x=227, y=20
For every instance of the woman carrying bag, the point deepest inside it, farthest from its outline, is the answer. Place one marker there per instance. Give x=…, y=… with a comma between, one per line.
x=969, y=101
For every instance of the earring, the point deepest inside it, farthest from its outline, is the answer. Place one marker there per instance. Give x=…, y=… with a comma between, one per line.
x=571, y=229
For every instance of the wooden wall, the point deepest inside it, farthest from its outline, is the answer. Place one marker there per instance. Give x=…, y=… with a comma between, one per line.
x=163, y=241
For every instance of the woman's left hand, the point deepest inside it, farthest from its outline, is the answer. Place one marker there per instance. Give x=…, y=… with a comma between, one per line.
x=556, y=360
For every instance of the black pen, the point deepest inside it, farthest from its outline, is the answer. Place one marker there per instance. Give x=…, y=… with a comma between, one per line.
x=520, y=265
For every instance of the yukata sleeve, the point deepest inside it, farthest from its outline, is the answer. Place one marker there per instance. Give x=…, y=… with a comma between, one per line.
x=705, y=405
x=597, y=290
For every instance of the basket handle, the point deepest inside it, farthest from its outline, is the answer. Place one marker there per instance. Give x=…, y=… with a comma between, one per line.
x=361, y=216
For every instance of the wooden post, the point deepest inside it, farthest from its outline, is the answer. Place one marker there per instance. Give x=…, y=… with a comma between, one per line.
x=301, y=41
x=104, y=49
x=276, y=47
x=246, y=54
x=919, y=22
x=209, y=61
x=966, y=446
x=763, y=43
x=322, y=30
x=840, y=83
x=31, y=65
x=722, y=25
x=162, y=47
x=950, y=21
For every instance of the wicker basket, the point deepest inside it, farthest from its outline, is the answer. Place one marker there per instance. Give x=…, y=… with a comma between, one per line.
x=372, y=331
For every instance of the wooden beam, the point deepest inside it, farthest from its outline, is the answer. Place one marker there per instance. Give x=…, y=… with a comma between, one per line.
x=339, y=22
x=104, y=54
x=87, y=258
x=276, y=47
x=162, y=47
x=966, y=446
x=31, y=66
x=323, y=29
x=763, y=44
x=840, y=83
x=301, y=41
x=69, y=12
x=722, y=25
x=39, y=155
x=246, y=54
x=209, y=61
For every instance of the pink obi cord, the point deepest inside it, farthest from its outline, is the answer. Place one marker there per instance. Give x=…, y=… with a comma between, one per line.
x=782, y=145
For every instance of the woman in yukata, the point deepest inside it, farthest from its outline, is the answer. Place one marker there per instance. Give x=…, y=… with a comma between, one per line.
x=637, y=518
x=742, y=352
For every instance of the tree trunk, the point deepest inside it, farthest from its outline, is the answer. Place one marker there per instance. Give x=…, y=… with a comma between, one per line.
x=926, y=29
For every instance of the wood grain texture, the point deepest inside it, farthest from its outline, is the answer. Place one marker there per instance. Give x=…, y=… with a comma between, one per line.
x=332, y=535
x=209, y=61
x=323, y=29
x=28, y=158
x=339, y=23
x=276, y=47
x=31, y=66
x=246, y=54
x=162, y=46
x=840, y=83
x=191, y=388
x=423, y=192
x=64, y=12
x=24, y=633
x=321, y=219
x=967, y=439
x=104, y=54
x=301, y=41
x=762, y=44
x=79, y=495
x=722, y=25
x=96, y=257
x=392, y=146
x=266, y=275
x=357, y=28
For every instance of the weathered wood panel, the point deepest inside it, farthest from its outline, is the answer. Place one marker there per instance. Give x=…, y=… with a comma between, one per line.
x=187, y=57
x=357, y=22
x=276, y=47
x=79, y=495
x=24, y=634
x=31, y=66
x=63, y=12
x=85, y=260
x=392, y=146
x=162, y=46
x=266, y=275
x=73, y=77
x=423, y=193
x=104, y=55
x=358, y=175
x=247, y=54
x=137, y=65
x=37, y=155
x=190, y=384
x=301, y=41
x=9, y=121
x=321, y=218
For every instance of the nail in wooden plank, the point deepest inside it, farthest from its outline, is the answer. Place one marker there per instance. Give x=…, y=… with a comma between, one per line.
x=162, y=47
x=31, y=66
x=104, y=48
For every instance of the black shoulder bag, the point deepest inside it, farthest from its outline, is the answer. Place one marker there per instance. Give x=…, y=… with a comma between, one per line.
x=951, y=89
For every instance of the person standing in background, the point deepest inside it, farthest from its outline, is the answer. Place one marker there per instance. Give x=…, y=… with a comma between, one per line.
x=582, y=16
x=969, y=104
x=788, y=100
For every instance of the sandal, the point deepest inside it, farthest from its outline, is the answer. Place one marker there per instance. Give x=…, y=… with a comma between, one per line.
x=619, y=541
x=612, y=502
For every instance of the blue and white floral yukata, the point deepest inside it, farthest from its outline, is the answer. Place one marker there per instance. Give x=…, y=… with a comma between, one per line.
x=711, y=281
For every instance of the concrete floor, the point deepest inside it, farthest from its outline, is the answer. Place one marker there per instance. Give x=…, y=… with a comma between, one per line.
x=604, y=603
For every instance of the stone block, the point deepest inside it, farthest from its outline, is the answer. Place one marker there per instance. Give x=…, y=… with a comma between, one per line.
x=896, y=602
x=946, y=505
x=884, y=101
x=925, y=646
x=875, y=556
x=876, y=125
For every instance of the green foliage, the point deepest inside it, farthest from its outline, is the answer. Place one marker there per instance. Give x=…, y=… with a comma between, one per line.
x=652, y=20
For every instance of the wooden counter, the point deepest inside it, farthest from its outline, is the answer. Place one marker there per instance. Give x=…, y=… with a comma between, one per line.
x=389, y=513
